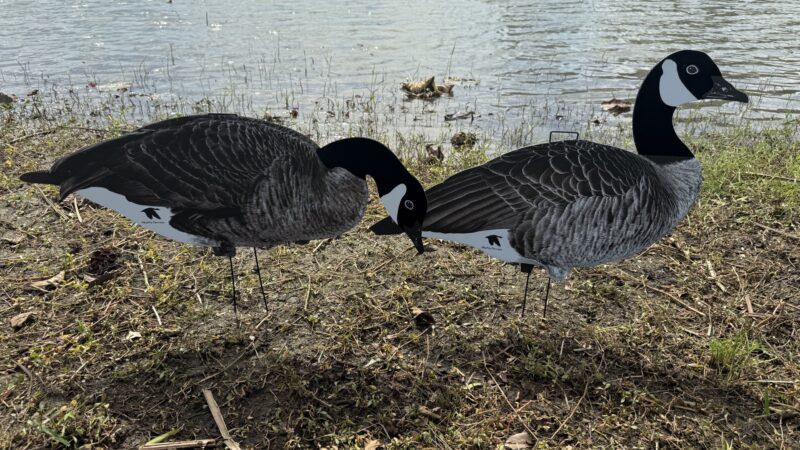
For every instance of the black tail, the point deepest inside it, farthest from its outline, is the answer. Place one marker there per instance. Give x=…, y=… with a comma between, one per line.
x=385, y=227
x=40, y=177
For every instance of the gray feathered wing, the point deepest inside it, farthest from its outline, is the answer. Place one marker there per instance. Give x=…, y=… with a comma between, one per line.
x=551, y=196
x=202, y=167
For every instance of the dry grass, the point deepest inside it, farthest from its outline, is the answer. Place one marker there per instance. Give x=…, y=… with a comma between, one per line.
x=693, y=344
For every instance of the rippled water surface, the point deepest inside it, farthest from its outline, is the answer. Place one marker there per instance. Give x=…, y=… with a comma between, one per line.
x=513, y=57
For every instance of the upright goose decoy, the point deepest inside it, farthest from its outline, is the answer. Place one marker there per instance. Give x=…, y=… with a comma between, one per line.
x=224, y=181
x=578, y=203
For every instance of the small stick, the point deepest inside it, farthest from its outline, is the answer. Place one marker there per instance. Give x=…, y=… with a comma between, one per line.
x=782, y=233
x=308, y=294
x=772, y=177
x=52, y=205
x=217, y=415
x=321, y=245
x=198, y=443
x=513, y=410
x=141, y=266
x=224, y=369
x=158, y=318
x=77, y=212
x=748, y=304
x=566, y=419
x=677, y=300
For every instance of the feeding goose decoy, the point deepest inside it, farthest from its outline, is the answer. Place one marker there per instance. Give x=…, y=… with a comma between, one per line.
x=224, y=181
x=577, y=203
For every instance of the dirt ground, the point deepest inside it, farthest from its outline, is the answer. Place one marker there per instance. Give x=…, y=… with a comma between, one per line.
x=363, y=344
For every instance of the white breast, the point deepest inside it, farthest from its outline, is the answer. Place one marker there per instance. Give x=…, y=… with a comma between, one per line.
x=492, y=242
x=154, y=218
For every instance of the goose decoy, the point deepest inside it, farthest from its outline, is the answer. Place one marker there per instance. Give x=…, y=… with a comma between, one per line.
x=577, y=203
x=224, y=181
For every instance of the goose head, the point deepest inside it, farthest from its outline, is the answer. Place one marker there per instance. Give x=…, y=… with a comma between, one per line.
x=406, y=204
x=689, y=75
x=401, y=194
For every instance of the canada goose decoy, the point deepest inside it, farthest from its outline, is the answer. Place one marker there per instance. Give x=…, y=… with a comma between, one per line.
x=577, y=203
x=224, y=181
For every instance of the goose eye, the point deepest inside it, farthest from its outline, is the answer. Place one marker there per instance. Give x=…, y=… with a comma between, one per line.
x=692, y=69
x=408, y=204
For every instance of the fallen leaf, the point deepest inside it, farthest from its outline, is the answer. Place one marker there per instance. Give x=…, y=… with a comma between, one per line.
x=12, y=237
x=423, y=319
x=418, y=87
x=616, y=106
x=434, y=154
x=373, y=445
x=50, y=283
x=463, y=139
x=132, y=335
x=20, y=319
x=519, y=441
x=429, y=413
x=122, y=86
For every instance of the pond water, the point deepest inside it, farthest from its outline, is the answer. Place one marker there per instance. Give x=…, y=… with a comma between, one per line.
x=513, y=61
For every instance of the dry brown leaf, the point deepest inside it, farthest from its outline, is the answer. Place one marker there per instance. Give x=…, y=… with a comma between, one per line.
x=418, y=87
x=20, y=319
x=50, y=283
x=12, y=237
x=616, y=106
x=133, y=335
x=519, y=441
x=373, y=445
x=422, y=319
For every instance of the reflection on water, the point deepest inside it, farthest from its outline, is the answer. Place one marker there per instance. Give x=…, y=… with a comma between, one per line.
x=551, y=54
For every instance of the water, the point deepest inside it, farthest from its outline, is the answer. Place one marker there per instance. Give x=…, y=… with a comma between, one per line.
x=553, y=60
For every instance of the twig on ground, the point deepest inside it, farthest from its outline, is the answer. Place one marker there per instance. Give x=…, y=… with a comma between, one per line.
x=513, y=410
x=772, y=177
x=197, y=443
x=566, y=419
x=774, y=230
x=77, y=212
x=224, y=369
x=217, y=415
x=52, y=205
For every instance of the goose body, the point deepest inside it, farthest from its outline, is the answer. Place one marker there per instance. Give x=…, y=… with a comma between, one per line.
x=563, y=205
x=224, y=181
x=578, y=203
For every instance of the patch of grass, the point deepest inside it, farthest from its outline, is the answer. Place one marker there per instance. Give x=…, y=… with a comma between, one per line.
x=337, y=359
x=732, y=355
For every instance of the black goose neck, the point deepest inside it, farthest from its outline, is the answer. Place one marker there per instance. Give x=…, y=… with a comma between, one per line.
x=653, y=132
x=362, y=157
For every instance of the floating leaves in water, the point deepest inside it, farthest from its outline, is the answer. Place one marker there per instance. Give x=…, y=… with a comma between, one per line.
x=120, y=86
x=427, y=89
x=456, y=116
x=616, y=106
x=418, y=87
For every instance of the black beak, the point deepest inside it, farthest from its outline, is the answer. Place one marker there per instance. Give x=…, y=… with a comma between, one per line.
x=414, y=233
x=724, y=91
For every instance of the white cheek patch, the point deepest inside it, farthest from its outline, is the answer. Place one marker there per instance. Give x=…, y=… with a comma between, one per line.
x=391, y=201
x=154, y=218
x=673, y=91
x=492, y=242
